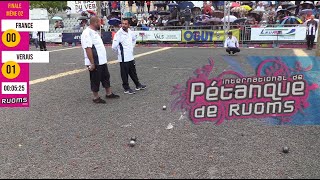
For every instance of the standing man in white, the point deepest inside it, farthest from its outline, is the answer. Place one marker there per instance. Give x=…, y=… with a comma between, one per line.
x=95, y=56
x=312, y=26
x=123, y=42
x=35, y=38
x=232, y=44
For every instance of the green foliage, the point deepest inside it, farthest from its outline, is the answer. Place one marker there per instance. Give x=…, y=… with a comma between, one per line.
x=51, y=6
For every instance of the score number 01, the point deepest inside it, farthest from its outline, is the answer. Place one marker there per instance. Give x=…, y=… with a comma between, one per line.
x=10, y=70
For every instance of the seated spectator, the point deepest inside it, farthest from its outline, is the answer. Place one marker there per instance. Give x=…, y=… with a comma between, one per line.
x=143, y=21
x=149, y=22
x=152, y=28
x=165, y=21
x=56, y=25
x=61, y=24
x=134, y=22
x=260, y=7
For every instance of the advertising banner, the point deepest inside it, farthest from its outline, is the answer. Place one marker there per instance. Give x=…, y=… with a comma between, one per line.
x=206, y=35
x=158, y=36
x=79, y=6
x=278, y=33
x=71, y=37
x=284, y=90
x=54, y=37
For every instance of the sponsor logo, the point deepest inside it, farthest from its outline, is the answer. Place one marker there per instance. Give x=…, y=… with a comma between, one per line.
x=14, y=100
x=277, y=32
x=158, y=36
x=77, y=37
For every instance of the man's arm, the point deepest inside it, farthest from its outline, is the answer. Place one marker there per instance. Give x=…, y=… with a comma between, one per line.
x=237, y=42
x=86, y=43
x=89, y=54
x=134, y=39
x=115, y=43
x=226, y=43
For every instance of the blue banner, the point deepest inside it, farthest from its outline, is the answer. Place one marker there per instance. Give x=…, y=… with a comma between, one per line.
x=71, y=37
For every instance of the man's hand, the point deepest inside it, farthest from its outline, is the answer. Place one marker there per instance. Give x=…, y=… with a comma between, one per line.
x=92, y=67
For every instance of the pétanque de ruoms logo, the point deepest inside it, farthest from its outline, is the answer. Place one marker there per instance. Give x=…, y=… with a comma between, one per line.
x=273, y=92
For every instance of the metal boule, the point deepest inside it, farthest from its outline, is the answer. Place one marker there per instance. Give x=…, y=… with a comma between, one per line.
x=285, y=150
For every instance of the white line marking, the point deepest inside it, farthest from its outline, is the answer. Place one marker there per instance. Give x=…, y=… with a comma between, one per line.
x=64, y=49
x=299, y=52
x=36, y=81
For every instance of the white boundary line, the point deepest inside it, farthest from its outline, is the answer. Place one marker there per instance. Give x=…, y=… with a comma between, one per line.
x=56, y=76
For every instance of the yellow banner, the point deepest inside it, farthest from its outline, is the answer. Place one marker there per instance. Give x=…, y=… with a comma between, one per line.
x=206, y=35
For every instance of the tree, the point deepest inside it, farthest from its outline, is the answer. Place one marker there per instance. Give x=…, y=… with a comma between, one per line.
x=51, y=6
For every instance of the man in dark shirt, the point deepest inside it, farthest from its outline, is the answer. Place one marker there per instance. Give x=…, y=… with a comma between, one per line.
x=187, y=16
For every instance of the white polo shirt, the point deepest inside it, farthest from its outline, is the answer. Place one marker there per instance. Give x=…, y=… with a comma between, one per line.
x=233, y=42
x=124, y=43
x=91, y=38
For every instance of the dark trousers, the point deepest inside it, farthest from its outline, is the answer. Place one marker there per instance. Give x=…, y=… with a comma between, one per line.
x=42, y=45
x=310, y=41
x=148, y=6
x=232, y=49
x=99, y=75
x=128, y=68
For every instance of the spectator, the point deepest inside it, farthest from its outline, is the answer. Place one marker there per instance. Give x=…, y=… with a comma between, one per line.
x=187, y=16
x=174, y=14
x=42, y=40
x=165, y=21
x=138, y=4
x=61, y=24
x=56, y=25
x=149, y=22
x=114, y=5
x=103, y=10
x=143, y=21
x=166, y=4
x=68, y=12
x=142, y=6
x=260, y=7
x=110, y=6
x=118, y=5
x=148, y=6
x=312, y=26
x=35, y=38
x=134, y=22
x=152, y=28
x=130, y=3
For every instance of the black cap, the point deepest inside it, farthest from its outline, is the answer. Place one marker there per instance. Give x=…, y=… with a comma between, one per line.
x=229, y=33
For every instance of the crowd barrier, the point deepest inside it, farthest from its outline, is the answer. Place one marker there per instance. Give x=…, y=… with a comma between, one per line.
x=203, y=34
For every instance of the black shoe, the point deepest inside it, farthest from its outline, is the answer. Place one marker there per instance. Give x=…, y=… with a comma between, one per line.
x=99, y=101
x=229, y=52
x=141, y=87
x=112, y=96
x=233, y=52
x=129, y=91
